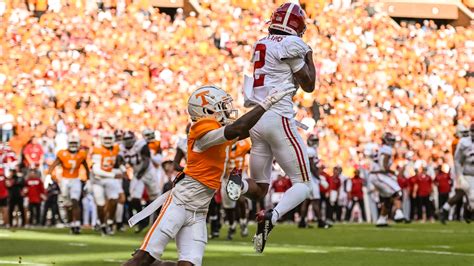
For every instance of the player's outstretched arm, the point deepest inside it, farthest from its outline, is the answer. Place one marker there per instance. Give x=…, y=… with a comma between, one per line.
x=306, y=76
x=146, y=155
x=53, y=165
x=241, y=127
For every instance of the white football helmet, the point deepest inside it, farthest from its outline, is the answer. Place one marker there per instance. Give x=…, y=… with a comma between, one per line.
x=148, y=134
x=107, y=139
x=73, y=142
x=211, y=101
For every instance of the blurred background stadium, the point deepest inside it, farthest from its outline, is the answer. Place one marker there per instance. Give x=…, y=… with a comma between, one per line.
x=88, y=66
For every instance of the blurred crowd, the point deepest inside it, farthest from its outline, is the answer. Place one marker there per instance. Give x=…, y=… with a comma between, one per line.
x=87, y=66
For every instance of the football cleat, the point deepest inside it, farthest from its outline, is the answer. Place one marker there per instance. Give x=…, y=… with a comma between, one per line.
x=323, y=225
x=443, y=216
x=244, y=230
x=231, y=232
x=234, y=185
x=398, y=217
x=381, y=221
x=264, y=227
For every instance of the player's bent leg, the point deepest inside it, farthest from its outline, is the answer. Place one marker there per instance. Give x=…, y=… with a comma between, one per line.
x=165, y=228
x=191, y=240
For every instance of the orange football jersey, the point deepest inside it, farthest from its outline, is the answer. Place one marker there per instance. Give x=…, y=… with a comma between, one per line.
x=207, y=167
x=107, y=156
x=71, y=162
x=237, y=154
x=154, y=146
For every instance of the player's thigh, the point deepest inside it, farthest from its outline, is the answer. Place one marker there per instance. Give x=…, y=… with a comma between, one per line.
x=261, y=158
x=191, y=242
x=71, y=188
x=137, y=187
x=315, y=190
x=170, y=221
x=290, y=150
x=98, y=191
x=383, y=187
x=112, y=188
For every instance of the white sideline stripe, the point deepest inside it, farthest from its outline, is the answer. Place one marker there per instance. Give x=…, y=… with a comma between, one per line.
x=113, y=260
x=327, y=249
x=251, y=254
x=442, y=231
x=13, y=262
x=77, y=244
x=441, y=246
x=399, y=250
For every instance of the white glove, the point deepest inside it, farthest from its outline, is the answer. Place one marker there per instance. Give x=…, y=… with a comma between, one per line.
x=274, y=98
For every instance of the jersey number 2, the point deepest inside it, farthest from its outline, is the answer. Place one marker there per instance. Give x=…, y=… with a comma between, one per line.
x=261, y=49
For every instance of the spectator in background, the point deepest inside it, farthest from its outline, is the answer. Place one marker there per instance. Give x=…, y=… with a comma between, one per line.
x=15, y=184
x=422, y=190
x=413, y=196
x=278, y=188
x=355, y=195
x=335, y=184
x=33, y=154
x=444, y=184
x=3, y=196
x=324, y=188
x=6, y=125
x=51, y=203
x=34, y=191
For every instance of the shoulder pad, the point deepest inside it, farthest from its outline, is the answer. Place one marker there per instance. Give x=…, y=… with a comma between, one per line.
x=202, y=126
x=293, y=47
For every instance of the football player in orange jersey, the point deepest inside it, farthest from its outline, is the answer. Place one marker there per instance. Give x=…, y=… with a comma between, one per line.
x=234, y=209
x=183, y=215
x=106, y=182
x=70, y=160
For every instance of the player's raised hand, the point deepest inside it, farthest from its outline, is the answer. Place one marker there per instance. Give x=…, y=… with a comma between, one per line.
x=275, y=97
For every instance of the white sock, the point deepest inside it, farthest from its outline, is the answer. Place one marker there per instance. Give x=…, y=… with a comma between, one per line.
x=119, y=213
x=446, y=206
x=292, y=198
x=245, y=186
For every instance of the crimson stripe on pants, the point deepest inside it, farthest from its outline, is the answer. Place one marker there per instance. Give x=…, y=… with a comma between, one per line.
x=286, y=127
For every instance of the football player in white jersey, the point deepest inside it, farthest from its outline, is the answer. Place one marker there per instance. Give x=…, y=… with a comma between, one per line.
x=385, y=181
x=282, y=62
x=315, y=196
x=464, y=174
x=136, y=154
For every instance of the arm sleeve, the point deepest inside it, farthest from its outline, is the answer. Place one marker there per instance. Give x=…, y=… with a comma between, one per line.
x=211, y=138
x=97, y=170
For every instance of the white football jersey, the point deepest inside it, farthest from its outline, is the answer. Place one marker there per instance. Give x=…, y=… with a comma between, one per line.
x=133, y=155
x=276, y=58
x=464, y=157
x=385, y=150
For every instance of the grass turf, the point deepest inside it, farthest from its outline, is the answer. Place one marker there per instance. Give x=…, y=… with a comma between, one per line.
x=352, y=244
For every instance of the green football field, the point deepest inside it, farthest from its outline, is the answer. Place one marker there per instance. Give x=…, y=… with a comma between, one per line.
x=412, y=244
